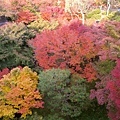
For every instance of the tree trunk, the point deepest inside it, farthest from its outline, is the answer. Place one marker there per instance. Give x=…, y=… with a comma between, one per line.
x=108, y=7
x=101, y=12
x=83, y=17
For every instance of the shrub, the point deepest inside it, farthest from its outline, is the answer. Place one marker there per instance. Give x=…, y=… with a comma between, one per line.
x=18, y=93
x=34, y=116
x=105, y=67
x=109, y=42
x=96, y=112
x=14, y=49
x=53, y=117
x=66, y=47
x=94, y=14
x=65, y=95
x=115, y=16
x=40, y=25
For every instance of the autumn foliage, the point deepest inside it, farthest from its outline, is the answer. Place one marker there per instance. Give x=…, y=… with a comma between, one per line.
x=18, y=93
x=66, y=47
x=106, y=36
x=4, y=72
x=74, y=61
x=26, y=17
x=52, y=12
x=114, y=93
x=108, y=92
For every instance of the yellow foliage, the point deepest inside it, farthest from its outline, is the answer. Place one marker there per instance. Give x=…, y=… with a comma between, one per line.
x=18, y=92
x=40, y=24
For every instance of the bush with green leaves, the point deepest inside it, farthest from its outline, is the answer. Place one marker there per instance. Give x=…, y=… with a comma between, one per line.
x=105, y=67
x=115, y=16
x=53, y=117
x=94, y=14
x=65, y=95
x=34, y=116
x=96, y=112
x=14, y=48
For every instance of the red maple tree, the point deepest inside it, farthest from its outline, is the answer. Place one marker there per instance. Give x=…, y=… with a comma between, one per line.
x=66, y=47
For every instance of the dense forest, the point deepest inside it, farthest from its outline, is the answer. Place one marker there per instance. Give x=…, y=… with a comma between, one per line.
x=59, y=59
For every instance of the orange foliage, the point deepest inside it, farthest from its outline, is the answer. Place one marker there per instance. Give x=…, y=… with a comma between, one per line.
x=26, y=17
x=19, y=93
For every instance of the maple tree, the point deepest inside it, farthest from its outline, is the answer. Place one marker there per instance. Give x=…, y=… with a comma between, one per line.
x=110, y=43
x=18, y=5
x=11, y=8
x=108, y=92
x=19, y=93
x=113, y=85
x=66, y=47
x=76, y=7
x=56, y=13
x=26, y=17
x=52, y=12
